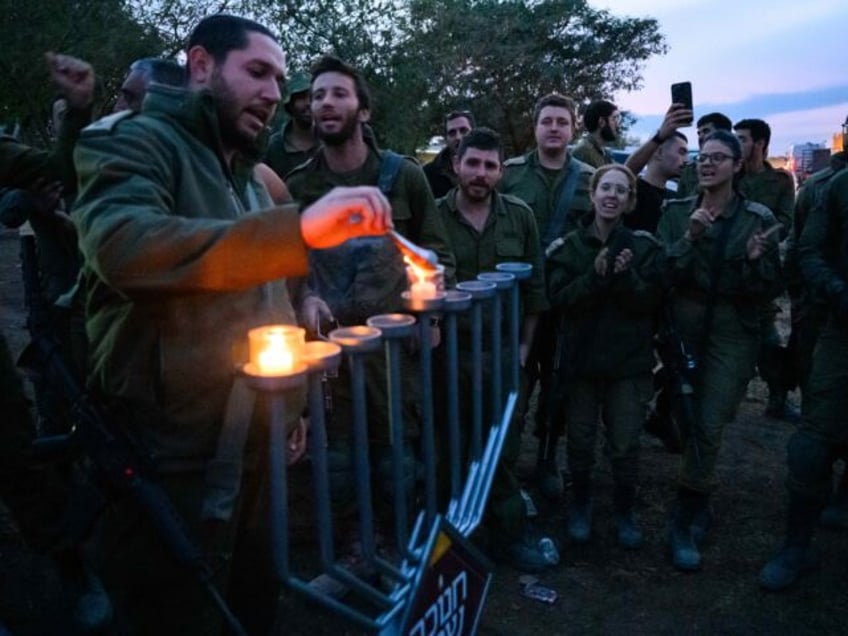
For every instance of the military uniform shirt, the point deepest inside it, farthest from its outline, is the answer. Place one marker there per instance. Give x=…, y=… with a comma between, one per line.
x=510, y=235
x=775, y=189
x=525, y=178
x=590, y=152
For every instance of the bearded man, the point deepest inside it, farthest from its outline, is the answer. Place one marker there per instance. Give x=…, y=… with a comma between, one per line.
x=183, y=253
x=601, y=120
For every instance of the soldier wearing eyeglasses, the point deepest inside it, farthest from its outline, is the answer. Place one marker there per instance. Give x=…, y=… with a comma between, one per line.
x=722, y=264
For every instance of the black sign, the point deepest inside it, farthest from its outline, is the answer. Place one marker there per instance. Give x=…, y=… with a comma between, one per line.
x=451, y=587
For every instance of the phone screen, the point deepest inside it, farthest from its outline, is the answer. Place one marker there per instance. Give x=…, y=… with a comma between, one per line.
x=681, y=93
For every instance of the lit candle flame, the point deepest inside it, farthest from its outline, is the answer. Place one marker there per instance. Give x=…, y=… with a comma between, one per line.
x=275, y=358
x=423, y=287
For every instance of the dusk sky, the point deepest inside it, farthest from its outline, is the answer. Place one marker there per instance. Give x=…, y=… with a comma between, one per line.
x=779, y=60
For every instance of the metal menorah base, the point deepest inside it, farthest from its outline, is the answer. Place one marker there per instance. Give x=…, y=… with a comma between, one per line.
x=435, y=581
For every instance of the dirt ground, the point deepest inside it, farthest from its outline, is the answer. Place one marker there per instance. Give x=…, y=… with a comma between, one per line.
x=602, y=588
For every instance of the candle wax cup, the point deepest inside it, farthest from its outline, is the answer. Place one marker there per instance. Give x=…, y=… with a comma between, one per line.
x=275, y=350
x=423, y=289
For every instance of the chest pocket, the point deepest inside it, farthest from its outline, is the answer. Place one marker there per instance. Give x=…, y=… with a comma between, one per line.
x=509, y=244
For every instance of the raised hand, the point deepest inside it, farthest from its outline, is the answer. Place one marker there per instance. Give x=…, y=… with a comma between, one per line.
x=345, y=213
x=73, y=77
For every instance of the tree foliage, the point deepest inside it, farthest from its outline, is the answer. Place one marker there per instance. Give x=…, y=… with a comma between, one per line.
x=422, y=58
x=500, y=57
x=426, y=57
x=103, y=32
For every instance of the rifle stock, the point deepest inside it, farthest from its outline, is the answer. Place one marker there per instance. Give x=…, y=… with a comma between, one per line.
x=681, y=368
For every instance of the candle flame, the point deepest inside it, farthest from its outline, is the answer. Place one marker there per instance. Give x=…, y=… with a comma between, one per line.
x=275, y=358
x=422, y=286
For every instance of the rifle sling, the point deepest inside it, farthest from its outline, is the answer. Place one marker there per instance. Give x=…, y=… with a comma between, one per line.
x=566, y=195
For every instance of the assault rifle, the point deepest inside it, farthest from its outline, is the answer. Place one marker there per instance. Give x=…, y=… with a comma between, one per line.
x=115, y=468
x=680, y=370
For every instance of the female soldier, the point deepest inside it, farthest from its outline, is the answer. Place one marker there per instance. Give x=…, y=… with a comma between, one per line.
x=598, y=279
x=722, y=262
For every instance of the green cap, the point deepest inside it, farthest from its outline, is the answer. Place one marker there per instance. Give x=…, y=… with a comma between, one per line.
x=296, y=83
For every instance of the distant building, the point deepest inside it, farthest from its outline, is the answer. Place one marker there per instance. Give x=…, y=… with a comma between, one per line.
x=805, y=159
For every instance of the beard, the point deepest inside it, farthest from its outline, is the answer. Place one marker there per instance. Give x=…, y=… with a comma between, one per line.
x=300, y=114
x=607, y=134
x=475, y=192
x=343, y=134
x=228, y=110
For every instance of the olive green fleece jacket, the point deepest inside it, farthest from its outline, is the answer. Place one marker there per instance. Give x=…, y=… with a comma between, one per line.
x=743, y=282
x=607, y=320
x=178, y=251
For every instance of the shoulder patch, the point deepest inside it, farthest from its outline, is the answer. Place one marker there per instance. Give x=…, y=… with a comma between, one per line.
x=107, y=124
x=516, y=161
x=759, y=209
x=646, y=235
x=679, y=201
x=554, y=246
x=514, y=200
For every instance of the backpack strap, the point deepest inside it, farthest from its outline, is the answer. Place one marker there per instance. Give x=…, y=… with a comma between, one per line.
x=389, y=169
x=563, y=207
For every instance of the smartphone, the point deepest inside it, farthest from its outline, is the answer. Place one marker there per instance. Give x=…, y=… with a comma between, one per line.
x=681, y=93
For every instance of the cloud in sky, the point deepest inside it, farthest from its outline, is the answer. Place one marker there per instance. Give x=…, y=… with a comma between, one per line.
x=781, y=60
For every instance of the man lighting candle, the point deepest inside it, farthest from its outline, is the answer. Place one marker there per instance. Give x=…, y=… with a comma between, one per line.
x=184, y=253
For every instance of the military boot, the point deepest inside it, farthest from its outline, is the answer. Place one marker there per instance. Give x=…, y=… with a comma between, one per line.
x=684, y=551
x=796, y=556
x=579, y=523
x=629, y=534
x=835, y=516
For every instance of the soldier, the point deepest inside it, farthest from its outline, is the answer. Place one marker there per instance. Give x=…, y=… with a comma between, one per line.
x=722, y=262
x=363, y=278
x=440, y=173
x=602, y=276
x=775, y=189
x=601, y=120
x=20, y=165
x=183, y=253
x=295, y=142
x=706, y=125
x=556, y=187
x=142, y=73
x=759, y=181
x=812, y=448
x=485, y=228
x=810, y=311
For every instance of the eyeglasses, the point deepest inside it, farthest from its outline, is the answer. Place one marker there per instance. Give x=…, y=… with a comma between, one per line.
x=618, y=189
x=712, y=157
